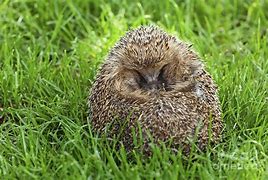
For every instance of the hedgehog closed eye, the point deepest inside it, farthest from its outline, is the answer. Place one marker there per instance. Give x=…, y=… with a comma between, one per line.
x=161, y=77
x=141, y=80
x=153, y=82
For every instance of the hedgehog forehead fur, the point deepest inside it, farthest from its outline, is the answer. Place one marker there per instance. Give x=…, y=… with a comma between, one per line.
x=148, y=46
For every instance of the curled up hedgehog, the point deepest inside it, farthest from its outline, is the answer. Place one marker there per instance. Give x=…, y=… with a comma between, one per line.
x=154, y=84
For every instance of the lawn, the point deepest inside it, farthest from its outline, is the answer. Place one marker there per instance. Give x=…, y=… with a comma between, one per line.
x=49, y=55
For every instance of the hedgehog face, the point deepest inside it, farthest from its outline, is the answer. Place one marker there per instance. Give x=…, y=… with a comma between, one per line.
x=149, y=61
x=152, y=79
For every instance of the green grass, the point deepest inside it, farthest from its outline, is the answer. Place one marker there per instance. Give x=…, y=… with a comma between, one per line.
x=49, y=54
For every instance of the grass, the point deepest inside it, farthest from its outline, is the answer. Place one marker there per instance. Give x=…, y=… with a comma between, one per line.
x=49, y=54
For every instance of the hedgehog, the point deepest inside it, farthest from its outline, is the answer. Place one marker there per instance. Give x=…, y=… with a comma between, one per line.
x=153, y=87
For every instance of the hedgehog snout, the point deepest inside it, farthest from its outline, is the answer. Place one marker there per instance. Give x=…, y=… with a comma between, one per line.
x=151, y=81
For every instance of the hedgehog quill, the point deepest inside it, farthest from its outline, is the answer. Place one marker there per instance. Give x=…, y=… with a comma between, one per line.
x=154, y=82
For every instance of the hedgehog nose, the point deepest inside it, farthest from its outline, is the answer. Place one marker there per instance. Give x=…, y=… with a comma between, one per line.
x=152, y=82
x=153, y=86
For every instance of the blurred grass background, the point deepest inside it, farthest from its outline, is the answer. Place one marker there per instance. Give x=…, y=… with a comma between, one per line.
x=49, y=54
